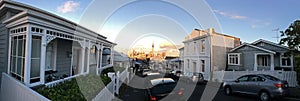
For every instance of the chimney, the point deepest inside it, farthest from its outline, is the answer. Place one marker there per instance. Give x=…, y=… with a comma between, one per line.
x=211, y=30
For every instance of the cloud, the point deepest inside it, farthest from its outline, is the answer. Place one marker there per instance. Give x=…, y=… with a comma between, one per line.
x=260, y=24
x=167, y=45
x=253, y=26
x=68, y=6
x=230, y=15
x=253, y=23
x=169, y=48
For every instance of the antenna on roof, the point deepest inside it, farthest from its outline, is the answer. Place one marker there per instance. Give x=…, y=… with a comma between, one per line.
x=277, y=36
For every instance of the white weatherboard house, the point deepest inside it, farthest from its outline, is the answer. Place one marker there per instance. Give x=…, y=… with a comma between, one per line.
x=206, y=51
x=35, y=44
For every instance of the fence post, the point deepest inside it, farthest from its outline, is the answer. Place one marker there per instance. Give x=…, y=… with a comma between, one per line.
x=118, y=82
x=127, y=74
x=114, y=85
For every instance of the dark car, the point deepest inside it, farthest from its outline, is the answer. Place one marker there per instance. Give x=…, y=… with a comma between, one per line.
x=164, y=88
x=175, y=74
x=262, y=85
x=198, y=78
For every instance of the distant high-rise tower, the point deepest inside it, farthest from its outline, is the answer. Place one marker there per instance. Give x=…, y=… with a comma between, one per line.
x=153, y=46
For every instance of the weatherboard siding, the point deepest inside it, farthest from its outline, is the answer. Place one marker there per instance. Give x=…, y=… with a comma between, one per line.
x=3, y=49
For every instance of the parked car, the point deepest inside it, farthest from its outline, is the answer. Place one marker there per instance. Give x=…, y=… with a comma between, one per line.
x=153, y=75
x=146, y=71
x=193, y=77
x=198, y=78
x=264, y=86
x=175, y=74
x=162, y=87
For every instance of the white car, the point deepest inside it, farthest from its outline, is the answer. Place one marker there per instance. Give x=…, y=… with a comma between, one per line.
x=194, y=77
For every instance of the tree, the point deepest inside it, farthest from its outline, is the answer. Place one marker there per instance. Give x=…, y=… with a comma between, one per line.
x=291, y=37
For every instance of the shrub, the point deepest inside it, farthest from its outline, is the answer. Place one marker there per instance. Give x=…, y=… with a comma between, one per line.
x=67, y=91
x=80, y=89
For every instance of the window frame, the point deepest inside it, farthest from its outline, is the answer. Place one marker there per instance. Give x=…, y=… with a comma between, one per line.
x=238, y=56
x=281, y=63
x=203, y=65
x=14, y=56
x=203, y=46
x=32, y=77
x=268, y=60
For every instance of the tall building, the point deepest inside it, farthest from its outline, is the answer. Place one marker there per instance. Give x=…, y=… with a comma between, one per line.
x=153, y=46
x=206, y=51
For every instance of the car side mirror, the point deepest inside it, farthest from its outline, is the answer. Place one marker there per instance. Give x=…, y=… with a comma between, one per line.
x=236, y=80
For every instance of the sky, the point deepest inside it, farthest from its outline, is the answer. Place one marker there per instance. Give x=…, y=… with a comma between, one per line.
x=166, y=23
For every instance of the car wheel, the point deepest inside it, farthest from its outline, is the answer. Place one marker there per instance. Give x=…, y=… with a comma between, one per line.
x=228, y=90
x=264, y=96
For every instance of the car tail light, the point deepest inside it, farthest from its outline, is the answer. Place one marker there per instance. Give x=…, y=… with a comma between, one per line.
x=152, y=98
x=180, y=92
x=278, y=85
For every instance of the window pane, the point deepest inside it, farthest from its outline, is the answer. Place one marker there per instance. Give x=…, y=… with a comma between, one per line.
x=36, y=47
x=288, y=62
x=203, y=65
x=33, y=29
x=283, y=62
x=24, y=47
x=19, y=66
x=244, y=78
x=35, y=57
x=203, y=46
x=14, y=46
x=13, y=65
x=20, y=47
x=35, y=68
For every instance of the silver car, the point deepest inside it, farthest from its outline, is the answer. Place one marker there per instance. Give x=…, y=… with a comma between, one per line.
x=265, y=86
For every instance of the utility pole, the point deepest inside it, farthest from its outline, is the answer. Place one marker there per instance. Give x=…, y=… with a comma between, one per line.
x=277, y=36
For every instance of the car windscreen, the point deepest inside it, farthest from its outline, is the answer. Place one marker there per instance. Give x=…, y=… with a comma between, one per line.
x=163, y=88
x=198, y=75
x=272, y=78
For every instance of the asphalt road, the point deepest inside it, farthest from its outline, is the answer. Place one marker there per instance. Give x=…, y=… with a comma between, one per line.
x=135, y=91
